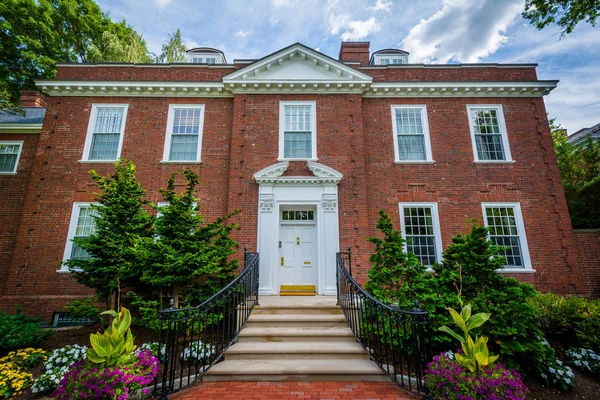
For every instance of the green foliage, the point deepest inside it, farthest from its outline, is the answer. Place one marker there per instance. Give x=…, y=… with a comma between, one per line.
x=84, y=309
x=173, y=51
x=115, y=346
x=579, y=166
x=36, y=34
x=475, y=352
x=147, y=312
x=569, y=321
x=18, y=331
x=565, y=13
x=187, y=253
x=121, y=222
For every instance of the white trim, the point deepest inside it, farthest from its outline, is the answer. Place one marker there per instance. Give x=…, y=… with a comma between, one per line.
x=458, y=89
x=527, y=266
x=436, y=225
x=426, y=137
x=12, y=143
x=77, y=206
x=313, y=136
x=20, y=128
x=90, y=132
x=503, y=132
x=169, y=133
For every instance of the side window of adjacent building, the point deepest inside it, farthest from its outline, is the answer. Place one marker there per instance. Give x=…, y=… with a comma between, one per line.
x=505, y=223
x=420, y=227
x=488, y=133
x=10, y=152
x=82, y=225
x=183, y=141
x=105, y=132
x=297, y=130
x=411, y=134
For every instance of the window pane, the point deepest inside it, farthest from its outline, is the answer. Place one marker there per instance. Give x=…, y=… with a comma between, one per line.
x=185, y=134
x=8, y=157
x=420, y=236
x=488, y=138
x=107, y=132
x=297, y=132
x=85, y=227
x=411, y=138
x=489, y=147
x=502, y=224
x=184, y=147
x=297, y=145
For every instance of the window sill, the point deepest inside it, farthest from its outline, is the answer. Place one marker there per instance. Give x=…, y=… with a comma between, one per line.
x=97, y=161
x=494, y=162
x=414, y=162
x=516, y=271
x=180, y=162
x=297, y=159
x=63, y=271
x=8, y=173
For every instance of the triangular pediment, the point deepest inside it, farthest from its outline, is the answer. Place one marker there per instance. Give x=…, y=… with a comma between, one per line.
x=297, y=64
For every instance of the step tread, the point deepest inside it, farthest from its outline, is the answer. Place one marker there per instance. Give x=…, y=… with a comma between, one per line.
x=299, y=331
x=297, y=318
x=295, y=348
x=291, y=367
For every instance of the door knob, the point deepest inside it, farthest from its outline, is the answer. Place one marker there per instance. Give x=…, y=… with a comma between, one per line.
x=298, y=240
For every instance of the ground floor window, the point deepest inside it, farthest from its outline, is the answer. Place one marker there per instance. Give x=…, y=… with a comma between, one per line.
x=82, y=225
x=421, y=229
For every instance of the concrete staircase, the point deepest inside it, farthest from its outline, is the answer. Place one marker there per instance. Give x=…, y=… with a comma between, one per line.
x=296, y=339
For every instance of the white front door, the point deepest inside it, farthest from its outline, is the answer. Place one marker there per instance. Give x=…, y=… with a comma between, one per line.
x=298, y=255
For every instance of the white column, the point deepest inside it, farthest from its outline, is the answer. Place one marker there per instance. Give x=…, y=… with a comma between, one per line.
x=331, y=239
x=267, y=223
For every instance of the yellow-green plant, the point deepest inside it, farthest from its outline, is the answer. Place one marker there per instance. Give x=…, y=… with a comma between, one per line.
x=476, y=354
x=115, y=345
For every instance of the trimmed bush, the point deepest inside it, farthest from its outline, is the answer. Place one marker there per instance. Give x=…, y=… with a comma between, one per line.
x=18, y=331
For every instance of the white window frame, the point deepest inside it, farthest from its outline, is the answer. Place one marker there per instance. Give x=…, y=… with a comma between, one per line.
x=90, y=132
x=503, y=133
x=527, y=266
x=436, y=226
x=12, y=143
x=313, y=122
x=388, y=59
x=75, y=211
x=427, y=140
x=169, y=133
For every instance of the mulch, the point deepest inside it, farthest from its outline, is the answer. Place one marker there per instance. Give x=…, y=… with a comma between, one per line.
x=586, y=388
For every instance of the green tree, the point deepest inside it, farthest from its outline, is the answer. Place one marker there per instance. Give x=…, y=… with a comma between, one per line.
x=120, y=223
x=188, y=258
x=36, y=34
x=565, y=13
x=173, y=51
x=579, y=166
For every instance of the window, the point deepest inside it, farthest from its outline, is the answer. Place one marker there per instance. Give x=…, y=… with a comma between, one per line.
x=10, y=152
x=488, y=133
x=411, y=134
x=506, y=227
x=384, y=61
x=297, y=131
x=298, y=215
x=183, y=140
x=397, y=61
x=105, y=132
x=197, y=60
x=421, y=229
x=82, y=225
x=211, y=60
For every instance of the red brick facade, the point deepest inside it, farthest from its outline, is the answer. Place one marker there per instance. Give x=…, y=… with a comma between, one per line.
x=240, y=137
x=588, y=244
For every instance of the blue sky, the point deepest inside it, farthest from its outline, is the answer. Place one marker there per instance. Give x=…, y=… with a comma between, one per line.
x=433, y=31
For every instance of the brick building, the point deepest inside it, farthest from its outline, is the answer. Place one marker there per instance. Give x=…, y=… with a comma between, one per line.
x=309, y=148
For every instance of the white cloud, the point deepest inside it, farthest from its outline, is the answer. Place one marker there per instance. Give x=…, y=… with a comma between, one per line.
x=357, y=30
x=243, y=34
x=463, y=30
x=382, y=5
x=162, y=3
x=280, y=3
x=338, y=22
x=273, y=21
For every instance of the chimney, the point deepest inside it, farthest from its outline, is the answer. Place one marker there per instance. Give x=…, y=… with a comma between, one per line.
x=355, y=51
x=32, y=98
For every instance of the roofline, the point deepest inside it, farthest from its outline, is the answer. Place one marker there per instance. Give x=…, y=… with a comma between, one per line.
x=145, y=65
x=20, y=128
x=210, y=49
x=434, y=66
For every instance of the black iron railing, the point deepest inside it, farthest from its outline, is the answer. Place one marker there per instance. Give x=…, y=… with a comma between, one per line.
x=192, y=340
x=396, y=340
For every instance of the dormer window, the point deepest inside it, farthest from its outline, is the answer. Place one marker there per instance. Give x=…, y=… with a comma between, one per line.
x=205, y=55
x=389, y=57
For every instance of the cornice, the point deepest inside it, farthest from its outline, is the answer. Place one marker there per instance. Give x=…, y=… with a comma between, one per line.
x=20, y=128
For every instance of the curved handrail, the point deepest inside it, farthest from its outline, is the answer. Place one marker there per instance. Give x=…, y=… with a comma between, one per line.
x=396, y=340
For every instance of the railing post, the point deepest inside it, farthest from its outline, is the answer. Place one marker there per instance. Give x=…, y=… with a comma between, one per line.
x=350, y=260
x=245, y=257
x=337, y=277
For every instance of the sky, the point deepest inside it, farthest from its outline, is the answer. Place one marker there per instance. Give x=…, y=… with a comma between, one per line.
x=432, y=31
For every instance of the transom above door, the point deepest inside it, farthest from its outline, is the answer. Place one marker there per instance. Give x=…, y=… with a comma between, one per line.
x=298, y=247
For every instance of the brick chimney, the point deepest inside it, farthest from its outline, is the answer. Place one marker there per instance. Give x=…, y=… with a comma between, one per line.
x=355, y=51
x=32, y=98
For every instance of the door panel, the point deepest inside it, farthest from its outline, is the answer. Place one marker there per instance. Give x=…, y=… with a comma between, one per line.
x=299, y=252
x=288, y=251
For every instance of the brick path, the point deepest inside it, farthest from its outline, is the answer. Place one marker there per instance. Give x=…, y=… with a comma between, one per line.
x=293, y=390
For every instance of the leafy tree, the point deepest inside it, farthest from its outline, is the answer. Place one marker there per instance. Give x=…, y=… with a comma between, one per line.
x=188, y=258
x=120, y=223
x=173, y=51
x=36, y=34
x=565, y=13
x=579, y=166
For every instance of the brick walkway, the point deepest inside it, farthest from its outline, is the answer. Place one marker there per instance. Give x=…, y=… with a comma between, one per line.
x=293, y=390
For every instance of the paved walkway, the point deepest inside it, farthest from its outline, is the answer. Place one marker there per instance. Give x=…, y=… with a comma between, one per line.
x=293, y=390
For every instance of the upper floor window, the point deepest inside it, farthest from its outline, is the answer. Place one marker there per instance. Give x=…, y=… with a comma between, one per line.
x=10, y=152
x=421, y=228
x=297, y=130
x=205, y=55
x=82, y=225
x=505, y=222
x=488, y=133
x=411, y=134
x=105, y=132
x=183, y=141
